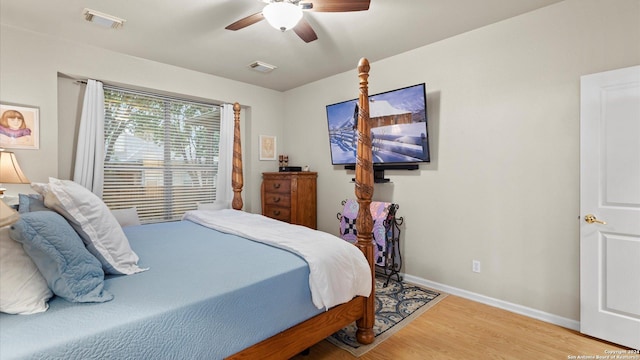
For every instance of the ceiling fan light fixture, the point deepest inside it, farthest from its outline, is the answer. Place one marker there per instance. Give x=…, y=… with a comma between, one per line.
x=282, y=15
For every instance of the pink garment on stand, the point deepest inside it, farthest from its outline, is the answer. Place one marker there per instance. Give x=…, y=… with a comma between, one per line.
x=379, y=212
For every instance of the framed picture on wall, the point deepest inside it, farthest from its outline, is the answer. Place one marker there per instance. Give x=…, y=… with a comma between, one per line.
x=267, y=147
x=19, y=126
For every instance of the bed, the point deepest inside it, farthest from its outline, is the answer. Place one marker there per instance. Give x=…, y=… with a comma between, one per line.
x=206, y=288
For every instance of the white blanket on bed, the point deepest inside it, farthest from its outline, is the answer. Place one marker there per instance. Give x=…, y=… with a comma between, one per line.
x=338, y=270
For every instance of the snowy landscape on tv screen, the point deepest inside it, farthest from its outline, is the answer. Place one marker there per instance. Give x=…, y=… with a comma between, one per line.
x=398, y=127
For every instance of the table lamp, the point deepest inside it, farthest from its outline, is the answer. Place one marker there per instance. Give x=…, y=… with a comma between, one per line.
x=10, y=172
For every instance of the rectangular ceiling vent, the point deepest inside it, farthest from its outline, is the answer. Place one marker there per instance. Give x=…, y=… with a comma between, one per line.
x=262, y=67
x=103, y=19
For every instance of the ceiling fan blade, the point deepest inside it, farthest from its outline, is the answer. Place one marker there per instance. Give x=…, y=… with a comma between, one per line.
x=304, y=30
x=244, y=22
x=335, y=5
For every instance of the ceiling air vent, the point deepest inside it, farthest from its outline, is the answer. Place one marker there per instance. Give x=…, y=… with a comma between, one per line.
x=262, y=67
x=102, y=19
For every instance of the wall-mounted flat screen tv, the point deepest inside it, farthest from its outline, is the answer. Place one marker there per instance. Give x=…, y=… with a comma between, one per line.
x=398, y=128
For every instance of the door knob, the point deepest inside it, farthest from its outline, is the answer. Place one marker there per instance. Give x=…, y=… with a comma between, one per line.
x=590, y=218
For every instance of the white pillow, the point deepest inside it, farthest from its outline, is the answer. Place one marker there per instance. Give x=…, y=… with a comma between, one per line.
x=95, y=224
x=126, y=217
x=23, y=290
x=40, y=188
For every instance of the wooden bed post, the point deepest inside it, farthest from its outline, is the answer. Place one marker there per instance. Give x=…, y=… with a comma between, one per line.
x=364, y=193
x=292, y=341
x=236, y=175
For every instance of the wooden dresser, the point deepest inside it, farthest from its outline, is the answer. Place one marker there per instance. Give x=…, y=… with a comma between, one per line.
x=290, y=197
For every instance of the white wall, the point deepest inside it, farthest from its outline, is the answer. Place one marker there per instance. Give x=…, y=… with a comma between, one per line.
x=503, y=185
x=29, y=67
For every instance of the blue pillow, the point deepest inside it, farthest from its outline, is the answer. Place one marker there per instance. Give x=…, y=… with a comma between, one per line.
x=31, y=202
x=70, y=270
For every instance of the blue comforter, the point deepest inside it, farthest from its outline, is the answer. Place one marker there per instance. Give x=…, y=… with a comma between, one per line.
x=207, y=295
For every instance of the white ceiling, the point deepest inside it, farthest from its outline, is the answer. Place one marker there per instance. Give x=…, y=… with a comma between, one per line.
x=191, y=34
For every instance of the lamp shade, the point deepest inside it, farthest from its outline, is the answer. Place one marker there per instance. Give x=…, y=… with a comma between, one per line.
x=282, y=15
x=7, y=215
x=10, y=172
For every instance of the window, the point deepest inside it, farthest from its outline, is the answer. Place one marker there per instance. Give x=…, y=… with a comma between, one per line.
x=161, y=153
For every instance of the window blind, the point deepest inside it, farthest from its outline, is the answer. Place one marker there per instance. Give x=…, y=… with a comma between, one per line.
x=161, y=153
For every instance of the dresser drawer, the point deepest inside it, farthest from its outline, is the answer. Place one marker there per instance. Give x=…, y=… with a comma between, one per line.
x=277, y=185
x=275, y=198
x=278, y=213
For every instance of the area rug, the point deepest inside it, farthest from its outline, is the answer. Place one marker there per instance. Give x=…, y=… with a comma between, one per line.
x=396, y=305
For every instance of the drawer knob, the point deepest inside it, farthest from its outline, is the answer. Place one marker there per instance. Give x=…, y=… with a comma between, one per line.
x=276, y=200
x=276, y=185
x=276, y=212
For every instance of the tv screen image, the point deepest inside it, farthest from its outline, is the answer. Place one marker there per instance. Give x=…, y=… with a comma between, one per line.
x=398, y=127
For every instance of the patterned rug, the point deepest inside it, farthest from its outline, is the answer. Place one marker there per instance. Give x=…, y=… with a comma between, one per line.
x=396, y=305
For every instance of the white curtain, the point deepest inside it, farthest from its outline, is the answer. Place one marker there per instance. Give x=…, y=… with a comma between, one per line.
x=89, y=168
x=224, y=191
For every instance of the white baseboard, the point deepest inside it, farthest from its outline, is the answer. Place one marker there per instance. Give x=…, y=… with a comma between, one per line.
x=505, y=305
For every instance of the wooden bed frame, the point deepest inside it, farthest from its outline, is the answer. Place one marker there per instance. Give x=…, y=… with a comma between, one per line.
x=361, y=309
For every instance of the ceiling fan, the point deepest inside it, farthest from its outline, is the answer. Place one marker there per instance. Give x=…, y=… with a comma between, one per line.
x=287, y=14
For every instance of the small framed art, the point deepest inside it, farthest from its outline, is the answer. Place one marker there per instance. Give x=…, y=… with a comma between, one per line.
x=267, y=147
x=19, y=126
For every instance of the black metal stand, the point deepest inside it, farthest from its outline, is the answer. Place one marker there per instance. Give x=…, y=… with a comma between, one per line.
x=393, y=257
x=392, y=254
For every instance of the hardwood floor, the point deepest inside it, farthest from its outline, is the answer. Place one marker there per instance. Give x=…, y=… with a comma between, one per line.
x=458, y=328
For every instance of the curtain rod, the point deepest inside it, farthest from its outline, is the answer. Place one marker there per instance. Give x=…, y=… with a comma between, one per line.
x=157, y=95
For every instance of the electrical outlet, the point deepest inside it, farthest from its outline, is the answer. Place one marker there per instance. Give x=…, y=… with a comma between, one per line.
x=475, y=266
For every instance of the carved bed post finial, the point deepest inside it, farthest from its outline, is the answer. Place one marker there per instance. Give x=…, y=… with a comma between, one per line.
x=236, y=175
x=364, y=193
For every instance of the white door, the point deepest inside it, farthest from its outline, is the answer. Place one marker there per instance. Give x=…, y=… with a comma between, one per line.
x=610, y=192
